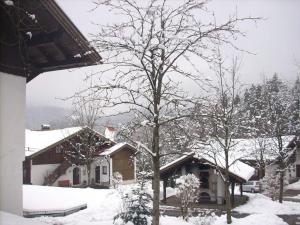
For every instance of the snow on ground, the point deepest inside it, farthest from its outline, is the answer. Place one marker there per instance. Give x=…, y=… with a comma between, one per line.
x=104, y=204
x=10, y=219
x=43, y=198
x=261, y=204
x=293, y=186
x=255, y=219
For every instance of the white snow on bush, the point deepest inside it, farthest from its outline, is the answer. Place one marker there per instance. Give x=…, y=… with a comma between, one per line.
x=261, y=204
x=256, y=219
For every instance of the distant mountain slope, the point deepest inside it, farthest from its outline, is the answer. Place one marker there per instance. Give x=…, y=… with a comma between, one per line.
x=38, y=115
x=59, y=117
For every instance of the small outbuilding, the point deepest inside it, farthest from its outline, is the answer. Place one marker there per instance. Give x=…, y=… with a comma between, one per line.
x=212, y=185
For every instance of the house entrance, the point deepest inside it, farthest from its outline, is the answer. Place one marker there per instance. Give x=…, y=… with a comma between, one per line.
x=297, y=170
x=76, y=178
x=97, y=174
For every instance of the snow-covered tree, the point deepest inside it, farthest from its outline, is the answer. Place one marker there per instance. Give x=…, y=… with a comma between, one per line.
x=271, y=185
x=155, y=43
x=136, y=204
x=224, y=120
x=187, y=191
x=278, y=108
x=83, y=149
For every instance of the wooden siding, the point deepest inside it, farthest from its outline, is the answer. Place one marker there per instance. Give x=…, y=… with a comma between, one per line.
x=55, y=155
x=122, y=163
x=48, y=157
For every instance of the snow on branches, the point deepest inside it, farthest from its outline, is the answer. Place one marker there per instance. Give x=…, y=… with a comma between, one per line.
x=187, y=191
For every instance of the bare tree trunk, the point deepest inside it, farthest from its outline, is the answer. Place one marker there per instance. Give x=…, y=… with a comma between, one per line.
x=88, y=166
x=227, y=197
x=281, y=186
x=156, y=163
x=156, y=176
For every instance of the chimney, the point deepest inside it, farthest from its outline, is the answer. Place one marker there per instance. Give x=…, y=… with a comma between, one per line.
x=45, y=127
x=110, y=133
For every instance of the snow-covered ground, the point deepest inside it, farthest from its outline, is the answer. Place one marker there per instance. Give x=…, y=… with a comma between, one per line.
x=104, y=204
x=260, y=204
x=43, y=198
x=293, y=186
x=10, y=219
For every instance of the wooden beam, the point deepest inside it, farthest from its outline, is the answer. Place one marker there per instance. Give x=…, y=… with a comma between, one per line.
x=164, y=191
x=43, y=38
x=232, y=193
x=241, y=189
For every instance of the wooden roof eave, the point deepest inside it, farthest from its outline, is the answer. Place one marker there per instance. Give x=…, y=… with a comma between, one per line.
x=69, y=26
x=167, y=171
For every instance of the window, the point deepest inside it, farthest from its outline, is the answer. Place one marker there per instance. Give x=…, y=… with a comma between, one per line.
x=58, y=149
x=97, y=171
x=204, y=179
x=104, y=169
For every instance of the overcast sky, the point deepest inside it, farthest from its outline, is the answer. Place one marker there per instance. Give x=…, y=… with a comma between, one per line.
x=275, y=42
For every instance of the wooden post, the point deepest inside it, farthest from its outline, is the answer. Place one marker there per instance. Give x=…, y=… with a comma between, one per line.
x=164, y=190
x=232, y=193
x=241, y=189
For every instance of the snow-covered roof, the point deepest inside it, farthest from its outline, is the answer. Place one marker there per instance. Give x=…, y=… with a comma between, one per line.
x=248, y=149
x=114, y=148
x=182, y=158
x=38, y=140
x=236, y=168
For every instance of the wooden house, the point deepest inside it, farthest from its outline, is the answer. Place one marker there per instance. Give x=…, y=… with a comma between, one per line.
x=46, y=162
x=210, y=175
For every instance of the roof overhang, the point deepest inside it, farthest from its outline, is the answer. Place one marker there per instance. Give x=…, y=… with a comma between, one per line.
x=173, y=167
x=39, y=37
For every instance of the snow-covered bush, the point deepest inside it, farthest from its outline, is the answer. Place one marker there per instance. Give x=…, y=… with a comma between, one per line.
x=187, y=192
x=271, y=185
x=135, y=206
x=205, y=217
x=117, y=179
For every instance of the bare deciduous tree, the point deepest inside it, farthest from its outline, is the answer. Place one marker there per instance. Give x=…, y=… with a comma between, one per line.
x=157, y=42
x=224, y=121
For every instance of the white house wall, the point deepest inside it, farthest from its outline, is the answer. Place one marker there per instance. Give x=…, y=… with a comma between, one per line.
x=39, y=172
x=69, y=175
x=220, y=190
x=12, y=141
x=102, y=162
x=83, y=173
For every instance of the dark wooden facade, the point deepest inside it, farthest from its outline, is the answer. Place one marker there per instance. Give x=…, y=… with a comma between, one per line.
x=202, y=169
x=122, y=162
x=37, y=36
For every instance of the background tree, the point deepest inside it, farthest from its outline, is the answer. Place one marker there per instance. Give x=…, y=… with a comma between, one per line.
x=156, y=42
x=224, y=116
x=278, y=111
x=83, y=149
